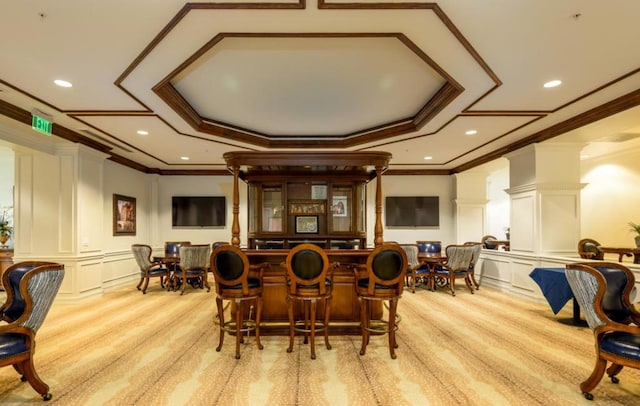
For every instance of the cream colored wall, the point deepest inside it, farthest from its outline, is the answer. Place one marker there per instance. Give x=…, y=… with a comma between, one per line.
x=611, y=198
x=199, y=186
x=442, y=186
x=6, y=182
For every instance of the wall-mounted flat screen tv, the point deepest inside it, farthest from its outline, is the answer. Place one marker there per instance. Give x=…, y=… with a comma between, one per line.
x=412, y=211
x=198, y=211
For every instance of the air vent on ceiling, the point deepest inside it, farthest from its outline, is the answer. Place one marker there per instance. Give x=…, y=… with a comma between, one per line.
x=104, y=140
x=619, y=137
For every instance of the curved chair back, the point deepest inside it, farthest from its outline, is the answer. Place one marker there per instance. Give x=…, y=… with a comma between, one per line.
x=386, y=266
x=429, y=247
x=173, y=247
x=486, y=242
x=411, y=251
x=194, y=256
x=588, y=249
x=142, y=254
x=230, y=267
x=603, y=291
x=307, y=266
x=477, y=250
x=31, y=288
x=459, y=257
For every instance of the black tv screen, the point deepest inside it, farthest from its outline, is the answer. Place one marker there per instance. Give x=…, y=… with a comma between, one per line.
x=412, y=211
x=198, y=211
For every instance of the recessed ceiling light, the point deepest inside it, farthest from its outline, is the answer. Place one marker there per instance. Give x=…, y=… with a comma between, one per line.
x=143, y=132
x=471, y=132
x=553, y=83
x=428, y=158
x=184, y=158
x=62, y=83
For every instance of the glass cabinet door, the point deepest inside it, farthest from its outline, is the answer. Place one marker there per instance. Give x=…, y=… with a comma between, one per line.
x=272, y=209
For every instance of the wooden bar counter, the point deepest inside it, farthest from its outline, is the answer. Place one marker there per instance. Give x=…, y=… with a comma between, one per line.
x=345, y=309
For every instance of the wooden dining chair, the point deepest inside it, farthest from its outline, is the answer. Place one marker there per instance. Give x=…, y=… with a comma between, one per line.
x=416, y=270
x=456, y=266
x=148, y=268
x=193, y=265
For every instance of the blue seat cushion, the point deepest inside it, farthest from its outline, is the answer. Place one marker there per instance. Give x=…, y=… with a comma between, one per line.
x=157, y=271
x=12, y=344
x=443, y=271
x=190, y=272
x=364, y=283
x=421, y=271
x=251, y=282
x=622, y=344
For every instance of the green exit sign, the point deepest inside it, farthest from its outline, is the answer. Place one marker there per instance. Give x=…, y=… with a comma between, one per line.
x=41, y=124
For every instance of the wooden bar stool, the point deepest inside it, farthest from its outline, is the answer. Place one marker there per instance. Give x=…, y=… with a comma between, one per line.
x=307, y=267
x=381, y=280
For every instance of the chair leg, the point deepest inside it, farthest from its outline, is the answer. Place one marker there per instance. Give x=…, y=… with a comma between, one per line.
x=206, y=282
x=472, y=275
x=614, y=370
x=594, y=379
x=140, y=283
x=291, y=322
x=393, y=307
x=364, y=323
x=452, y=284
x=146, y=284
x=34, y=380
x=220, y=307
x=258, y=320
x=327, y=309
x=467, y=281
x=183, y=282
x=239, y=325
x=312, y=327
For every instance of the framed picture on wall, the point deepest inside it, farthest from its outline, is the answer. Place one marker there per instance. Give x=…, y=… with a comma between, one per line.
x=306, y=207
x=339, y=206
x=124, y=215
x=306, y=224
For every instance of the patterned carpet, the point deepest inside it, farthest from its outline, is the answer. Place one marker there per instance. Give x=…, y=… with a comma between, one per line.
x=159, y=349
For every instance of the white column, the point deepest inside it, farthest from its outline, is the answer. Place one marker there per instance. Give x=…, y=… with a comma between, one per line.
x=470, y=203
x=545, y=198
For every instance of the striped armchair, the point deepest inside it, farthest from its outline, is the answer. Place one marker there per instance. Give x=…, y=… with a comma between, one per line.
x=456, y=266
x=31, y=288
x=603, y=291
x=193, y=267
x=148, y=268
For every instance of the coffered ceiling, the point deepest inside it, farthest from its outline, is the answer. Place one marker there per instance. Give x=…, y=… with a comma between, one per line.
x=412, y=79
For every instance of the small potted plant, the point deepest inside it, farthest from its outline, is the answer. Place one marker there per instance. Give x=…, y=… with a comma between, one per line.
x=635, y=228
x=5, y=228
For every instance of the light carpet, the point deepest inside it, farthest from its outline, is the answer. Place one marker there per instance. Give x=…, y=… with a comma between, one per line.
x=489, y=348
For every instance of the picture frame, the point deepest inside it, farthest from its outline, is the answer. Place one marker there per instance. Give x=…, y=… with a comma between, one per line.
x=339, y=206
x=307, y=207
x=306, y=224
x=124, y=215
